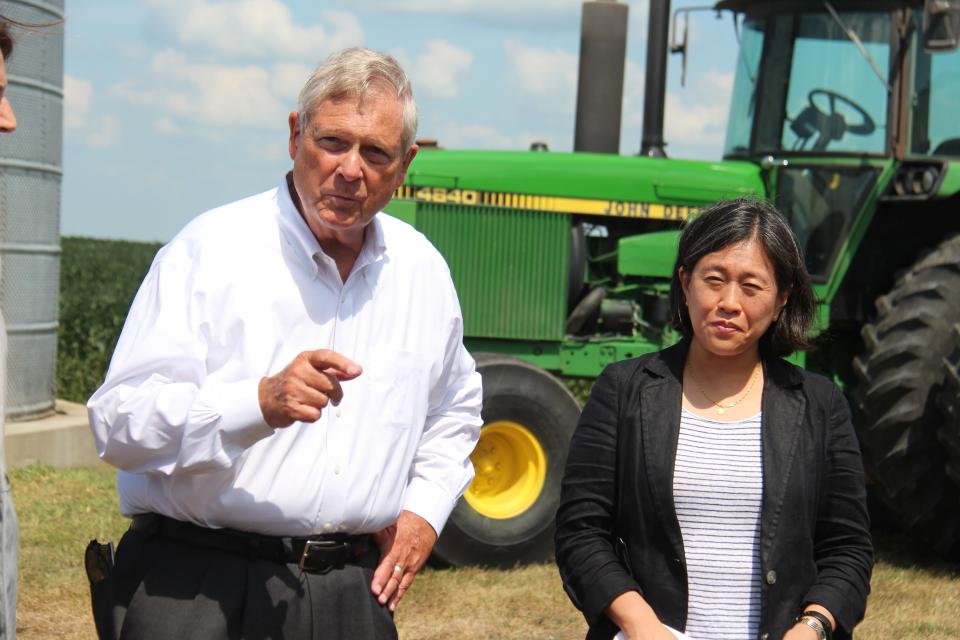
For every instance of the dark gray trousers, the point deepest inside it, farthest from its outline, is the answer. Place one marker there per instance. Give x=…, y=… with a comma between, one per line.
x=165, y=589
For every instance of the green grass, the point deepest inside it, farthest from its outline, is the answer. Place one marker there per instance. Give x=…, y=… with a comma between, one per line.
x=915, y=595
x=59, y=512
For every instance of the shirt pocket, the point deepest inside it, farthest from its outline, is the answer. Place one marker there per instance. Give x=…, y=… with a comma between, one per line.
x=397, y=391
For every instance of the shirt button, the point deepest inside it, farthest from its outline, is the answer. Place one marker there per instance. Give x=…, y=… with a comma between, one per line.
x=336, y=470
x=771, y=577
x=339, y=412
x=328, y=526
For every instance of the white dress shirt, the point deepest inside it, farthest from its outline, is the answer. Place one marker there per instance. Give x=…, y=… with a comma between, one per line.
x=235, y=297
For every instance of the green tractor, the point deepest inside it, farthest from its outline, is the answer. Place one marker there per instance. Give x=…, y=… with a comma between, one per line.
x=845, y=115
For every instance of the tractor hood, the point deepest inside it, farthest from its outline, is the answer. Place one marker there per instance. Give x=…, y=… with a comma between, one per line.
x=594, y=177
x=650, y=255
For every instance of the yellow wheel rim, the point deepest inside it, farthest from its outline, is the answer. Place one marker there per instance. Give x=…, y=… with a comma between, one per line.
x=511, y=470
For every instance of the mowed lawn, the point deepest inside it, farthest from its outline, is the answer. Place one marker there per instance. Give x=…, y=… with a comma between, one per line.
x=915, y=596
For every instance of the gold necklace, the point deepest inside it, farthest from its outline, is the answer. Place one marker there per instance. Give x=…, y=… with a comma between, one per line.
x=721, y=409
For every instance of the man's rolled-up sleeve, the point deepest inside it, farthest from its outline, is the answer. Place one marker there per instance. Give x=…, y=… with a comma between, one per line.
x=441, y=469
x=157, y=411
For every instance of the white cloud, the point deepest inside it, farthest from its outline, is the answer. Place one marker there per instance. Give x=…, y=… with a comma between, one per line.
x=464, y=7
x=251, y=29
x=543, y=72
x=273, y=151
x=77, y=97
x=212, y=94
x=513, y=14
x=639, y=14
x=165, y=126
x=439, y=70
x=461, y=135
x=696, y=117
x=474, y=136
x=286, y=80
x=483, y=10
x=103, y=133
x=93, y=129
x=715, y=81
x=634, y=76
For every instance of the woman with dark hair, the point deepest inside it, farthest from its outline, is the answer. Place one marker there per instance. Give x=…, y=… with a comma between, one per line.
x=714, y=488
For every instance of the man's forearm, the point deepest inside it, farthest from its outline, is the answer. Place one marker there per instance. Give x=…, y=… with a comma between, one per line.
x=141, y=428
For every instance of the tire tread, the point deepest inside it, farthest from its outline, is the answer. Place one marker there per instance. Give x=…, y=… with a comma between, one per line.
x=902, y=419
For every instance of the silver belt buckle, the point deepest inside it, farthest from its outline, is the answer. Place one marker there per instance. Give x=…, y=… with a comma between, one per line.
x=315, y=544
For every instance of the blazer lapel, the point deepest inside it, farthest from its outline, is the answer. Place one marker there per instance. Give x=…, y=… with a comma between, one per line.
x=660, y=404
x=783, y=407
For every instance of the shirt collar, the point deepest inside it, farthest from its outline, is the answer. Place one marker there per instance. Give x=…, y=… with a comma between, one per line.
x=295, y=230
x=374, y=247
x=306, y=245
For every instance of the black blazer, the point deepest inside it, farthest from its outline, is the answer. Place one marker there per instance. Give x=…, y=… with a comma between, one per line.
x=617, y=528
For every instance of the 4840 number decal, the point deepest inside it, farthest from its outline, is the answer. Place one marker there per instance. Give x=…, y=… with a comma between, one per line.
x=553, y=204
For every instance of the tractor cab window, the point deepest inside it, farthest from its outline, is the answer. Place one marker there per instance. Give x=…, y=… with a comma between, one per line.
x=934, y=126
x=813, y=83
x=820, y=202
x=742, y=107
x=837, y=99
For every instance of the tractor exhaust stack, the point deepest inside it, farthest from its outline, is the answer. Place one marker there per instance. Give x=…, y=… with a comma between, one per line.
x=603, y=49
x=655, y=89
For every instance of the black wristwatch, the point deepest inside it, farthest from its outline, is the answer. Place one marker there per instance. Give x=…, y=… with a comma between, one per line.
x=818, y=622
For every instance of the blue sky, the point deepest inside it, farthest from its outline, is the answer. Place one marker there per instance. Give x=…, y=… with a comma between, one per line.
x=173, y=107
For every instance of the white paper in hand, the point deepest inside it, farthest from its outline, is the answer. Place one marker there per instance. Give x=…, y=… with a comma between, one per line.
x=676, y=634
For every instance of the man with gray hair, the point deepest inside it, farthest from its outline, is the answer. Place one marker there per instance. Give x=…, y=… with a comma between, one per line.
x=290, y=404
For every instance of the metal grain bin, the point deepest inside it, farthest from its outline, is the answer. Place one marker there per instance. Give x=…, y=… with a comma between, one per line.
x=30, y=172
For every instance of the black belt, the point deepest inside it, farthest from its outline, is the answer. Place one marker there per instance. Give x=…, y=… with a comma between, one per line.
x=314, y=554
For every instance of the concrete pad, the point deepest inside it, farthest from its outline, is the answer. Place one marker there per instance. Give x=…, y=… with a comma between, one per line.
x=60, y=440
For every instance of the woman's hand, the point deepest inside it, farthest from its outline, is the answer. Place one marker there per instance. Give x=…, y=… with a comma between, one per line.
x=652, y=631
x=800, y=631
x=636, y=619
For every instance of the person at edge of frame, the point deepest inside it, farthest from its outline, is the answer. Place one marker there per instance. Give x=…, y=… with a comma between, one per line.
x=290, y=403
x=9, y=532
x=714, y=489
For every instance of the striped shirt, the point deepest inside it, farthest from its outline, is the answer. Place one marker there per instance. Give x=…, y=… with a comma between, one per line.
x=717, y=490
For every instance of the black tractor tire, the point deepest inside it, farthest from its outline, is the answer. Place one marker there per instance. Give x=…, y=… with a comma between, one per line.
x=950, y=403
x=577, y=265
x=515, y=392
x=583, y=318
x=898, y=411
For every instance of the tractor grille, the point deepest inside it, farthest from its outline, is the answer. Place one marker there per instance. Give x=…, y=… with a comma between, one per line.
x=509, y=266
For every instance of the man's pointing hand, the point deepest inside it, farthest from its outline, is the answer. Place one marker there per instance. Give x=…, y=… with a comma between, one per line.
x=305, y=387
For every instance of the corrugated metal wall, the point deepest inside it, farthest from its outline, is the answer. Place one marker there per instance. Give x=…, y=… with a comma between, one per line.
x=30, y=173
x=509, y=266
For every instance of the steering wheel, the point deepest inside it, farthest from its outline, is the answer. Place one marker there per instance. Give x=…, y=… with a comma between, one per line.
x=832, y=125
x=866, y=126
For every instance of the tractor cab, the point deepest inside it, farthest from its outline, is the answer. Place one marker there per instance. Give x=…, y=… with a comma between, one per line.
x=844, y=104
